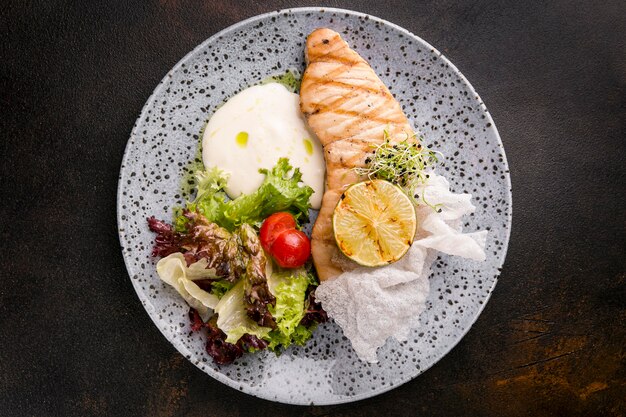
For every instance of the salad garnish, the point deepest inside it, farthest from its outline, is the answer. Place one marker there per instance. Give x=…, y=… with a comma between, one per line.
x=213, y=256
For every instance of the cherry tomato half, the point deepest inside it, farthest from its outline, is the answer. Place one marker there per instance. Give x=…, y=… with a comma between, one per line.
x=291, y=248
x=273, y=226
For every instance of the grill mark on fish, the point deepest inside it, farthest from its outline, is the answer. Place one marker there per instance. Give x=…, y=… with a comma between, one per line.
x=345, y=85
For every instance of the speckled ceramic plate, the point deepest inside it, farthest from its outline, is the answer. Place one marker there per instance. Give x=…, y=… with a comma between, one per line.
x=442, y=105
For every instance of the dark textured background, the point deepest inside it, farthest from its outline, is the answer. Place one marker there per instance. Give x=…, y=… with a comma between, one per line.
x=75, y=340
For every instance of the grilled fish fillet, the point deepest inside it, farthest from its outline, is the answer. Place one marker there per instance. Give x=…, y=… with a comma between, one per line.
x=348, y=107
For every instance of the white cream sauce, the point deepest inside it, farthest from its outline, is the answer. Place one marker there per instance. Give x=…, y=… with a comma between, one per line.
x=253, y=130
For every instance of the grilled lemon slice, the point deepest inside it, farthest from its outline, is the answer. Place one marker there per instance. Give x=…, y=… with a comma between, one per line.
x=374, y=223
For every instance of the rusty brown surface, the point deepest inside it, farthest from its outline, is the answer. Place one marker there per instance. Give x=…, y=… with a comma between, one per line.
x=75, y=340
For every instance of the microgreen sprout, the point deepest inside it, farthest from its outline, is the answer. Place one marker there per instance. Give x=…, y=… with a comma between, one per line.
x=402, y=163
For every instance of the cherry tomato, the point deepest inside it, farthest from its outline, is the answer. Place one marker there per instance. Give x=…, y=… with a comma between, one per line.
x=291, y=248
x=273, y=226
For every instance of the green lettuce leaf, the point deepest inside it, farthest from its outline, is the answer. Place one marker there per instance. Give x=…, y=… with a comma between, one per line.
x=278, y=339
x=280, y=191
x=301, y=334
x=210, y=198
x=289, y=287
x=232, y=317
x=219, y=288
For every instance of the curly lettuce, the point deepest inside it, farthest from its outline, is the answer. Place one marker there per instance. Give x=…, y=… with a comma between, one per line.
x=210, y=198
x=258, y=295
x=281, y=190
x=289, y=288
